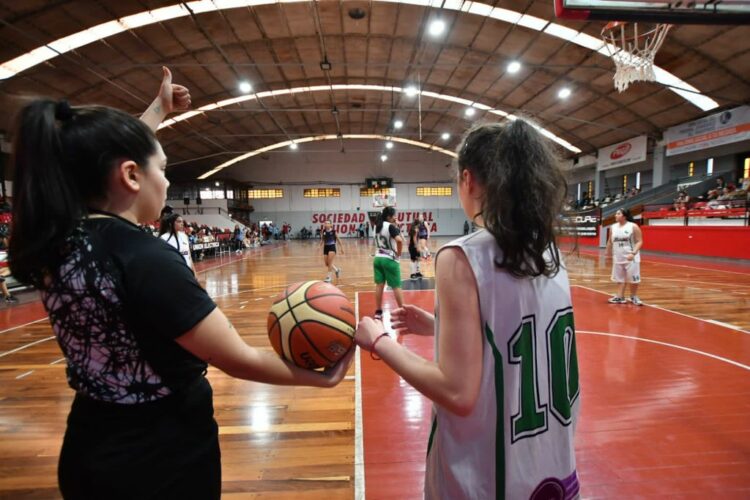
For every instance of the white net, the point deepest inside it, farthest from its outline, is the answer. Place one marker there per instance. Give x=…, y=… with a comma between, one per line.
x=633, y=51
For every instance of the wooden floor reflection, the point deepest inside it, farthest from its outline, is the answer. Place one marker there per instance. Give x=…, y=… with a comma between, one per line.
x=665, y=395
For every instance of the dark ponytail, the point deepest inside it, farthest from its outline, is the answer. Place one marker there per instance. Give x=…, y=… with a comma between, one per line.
x=524, y=193
x=387, y=212
x=62, y=158
x=166, y=224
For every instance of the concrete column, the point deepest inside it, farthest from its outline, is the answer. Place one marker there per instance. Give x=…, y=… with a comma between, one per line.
x=661, y=169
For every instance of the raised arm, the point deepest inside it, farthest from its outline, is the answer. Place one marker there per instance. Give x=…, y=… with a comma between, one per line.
x=171, y=98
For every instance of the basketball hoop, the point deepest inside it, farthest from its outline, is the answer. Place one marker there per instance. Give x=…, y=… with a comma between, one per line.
x=633, y=51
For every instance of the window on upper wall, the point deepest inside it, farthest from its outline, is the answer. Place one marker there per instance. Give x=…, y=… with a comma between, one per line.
x=322, y=193
x=365, y=192
x=746, y=170
x=434, y=191
x=624, y=183
x=257, y=194
x=691, y=168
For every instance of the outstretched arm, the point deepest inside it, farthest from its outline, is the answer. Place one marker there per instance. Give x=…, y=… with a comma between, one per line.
x=453, y=382
x=215, y=341
x=171, y=98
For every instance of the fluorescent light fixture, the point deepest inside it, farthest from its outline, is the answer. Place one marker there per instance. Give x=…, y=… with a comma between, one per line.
x=245, y=87
x=383, y=157
x=470, y=111
x=564, y=93
x=411, y=91
x=389, y=145
x=445, y=136
x=514, y=67
x=398, y=124
x=436, y=27
x=293, y=145
x=373, y=88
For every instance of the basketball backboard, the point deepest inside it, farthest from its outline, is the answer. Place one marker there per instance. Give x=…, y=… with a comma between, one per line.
x=656, y=11
x=384, y=197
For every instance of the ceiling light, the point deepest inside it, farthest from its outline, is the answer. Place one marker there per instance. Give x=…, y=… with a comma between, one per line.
x=389, y=145
x=514, y=67
x=470, y=111
x=445, y=136
x=293, y=145
x=411, y=90
x=383, y=157
x=245, y=87
x=437, y=27
x=216, y=183
x=564, y=93
x=398, y=124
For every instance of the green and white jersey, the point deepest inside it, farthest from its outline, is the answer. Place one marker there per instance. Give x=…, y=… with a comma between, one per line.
x=518, y=441
x=385, y=241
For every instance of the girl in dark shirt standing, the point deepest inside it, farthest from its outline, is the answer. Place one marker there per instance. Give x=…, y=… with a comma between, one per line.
x=136, y=328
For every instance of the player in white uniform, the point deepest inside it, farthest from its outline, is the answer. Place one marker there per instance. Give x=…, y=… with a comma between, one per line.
x=505, y=376
x=171, y=230
x=625, y=242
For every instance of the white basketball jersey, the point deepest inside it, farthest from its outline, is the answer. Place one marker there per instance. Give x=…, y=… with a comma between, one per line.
x=386, y=244
x=517, y=443
x=623, y=241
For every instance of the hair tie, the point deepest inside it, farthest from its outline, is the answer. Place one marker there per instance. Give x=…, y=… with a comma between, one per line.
x=63, y=111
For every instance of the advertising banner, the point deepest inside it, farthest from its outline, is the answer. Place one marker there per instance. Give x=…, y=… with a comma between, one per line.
x=622, y=153
x=583, y=224
x=715, y=130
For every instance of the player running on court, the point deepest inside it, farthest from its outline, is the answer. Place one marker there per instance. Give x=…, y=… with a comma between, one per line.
x=328, y=240
x=505, y=376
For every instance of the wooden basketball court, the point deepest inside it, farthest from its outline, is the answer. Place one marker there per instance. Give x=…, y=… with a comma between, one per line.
x=665, y=388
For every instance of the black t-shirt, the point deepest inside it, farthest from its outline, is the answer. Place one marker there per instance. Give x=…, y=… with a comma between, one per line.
x=116, y=304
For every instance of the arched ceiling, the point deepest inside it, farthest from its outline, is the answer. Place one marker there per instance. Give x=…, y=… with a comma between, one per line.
x=211, y=47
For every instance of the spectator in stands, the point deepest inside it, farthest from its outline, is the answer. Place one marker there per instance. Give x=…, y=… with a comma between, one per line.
x=682, y=200
x=171, y=231
x=4, y=270
x=237, y=238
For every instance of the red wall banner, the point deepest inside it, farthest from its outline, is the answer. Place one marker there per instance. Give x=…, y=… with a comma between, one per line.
x=711, y=241
x=348, y=222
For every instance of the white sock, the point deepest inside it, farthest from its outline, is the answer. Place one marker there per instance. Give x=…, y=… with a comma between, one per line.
x=416, y=264
x=413, y=267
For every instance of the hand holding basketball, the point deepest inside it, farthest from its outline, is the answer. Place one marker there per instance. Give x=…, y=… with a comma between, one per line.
x=337, y=372
x=413, y=319
x=368, y=330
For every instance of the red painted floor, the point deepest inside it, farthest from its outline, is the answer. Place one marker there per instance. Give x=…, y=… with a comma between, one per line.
x=665, y=407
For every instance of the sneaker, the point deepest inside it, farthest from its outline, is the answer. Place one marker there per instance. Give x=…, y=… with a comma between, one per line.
x=338, y=272
x=378, y=314
x=11, y=299
x=418, y=275
x=413, y=276
x=617, y=300
x=328, y=279
x=636, y=301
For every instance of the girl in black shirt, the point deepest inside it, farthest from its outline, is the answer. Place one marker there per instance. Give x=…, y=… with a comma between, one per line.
x=136, y=328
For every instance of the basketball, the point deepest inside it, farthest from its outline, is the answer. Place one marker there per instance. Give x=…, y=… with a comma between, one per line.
x=311, y=324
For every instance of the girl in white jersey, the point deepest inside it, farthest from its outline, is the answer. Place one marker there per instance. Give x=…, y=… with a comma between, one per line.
x=385, y=266
x=505, y=376
x=171, y=230
x=625, y=242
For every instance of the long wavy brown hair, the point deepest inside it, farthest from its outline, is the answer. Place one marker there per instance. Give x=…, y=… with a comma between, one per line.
x=524, y=193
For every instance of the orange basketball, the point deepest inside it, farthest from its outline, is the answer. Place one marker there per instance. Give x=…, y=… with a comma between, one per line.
x=311, y=324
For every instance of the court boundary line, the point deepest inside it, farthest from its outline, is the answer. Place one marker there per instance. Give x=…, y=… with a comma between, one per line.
x=732, y=328
x=25, y=324
x=598, y=253
x=359, y=450
x=659, y=342
x=12, y=351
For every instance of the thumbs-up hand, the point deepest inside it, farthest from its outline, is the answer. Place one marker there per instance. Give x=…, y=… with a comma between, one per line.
x=172, y=97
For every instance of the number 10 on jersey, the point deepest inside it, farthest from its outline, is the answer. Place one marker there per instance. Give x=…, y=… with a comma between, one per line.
x=562, y=374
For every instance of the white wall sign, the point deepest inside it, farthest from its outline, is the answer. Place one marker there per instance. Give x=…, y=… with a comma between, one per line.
x=622, y=153
x=718, y=129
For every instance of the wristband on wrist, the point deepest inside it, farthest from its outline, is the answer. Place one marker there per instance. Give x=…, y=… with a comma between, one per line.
x=372, y=351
